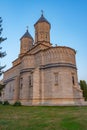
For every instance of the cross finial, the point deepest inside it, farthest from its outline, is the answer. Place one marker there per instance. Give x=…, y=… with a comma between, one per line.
x=42, y=12
x=27, y=27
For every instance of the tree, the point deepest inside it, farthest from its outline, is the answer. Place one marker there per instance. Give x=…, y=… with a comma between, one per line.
x=83, y=85
x=2, y=54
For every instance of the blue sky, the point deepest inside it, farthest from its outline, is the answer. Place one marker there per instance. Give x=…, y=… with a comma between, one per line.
x=68, y=20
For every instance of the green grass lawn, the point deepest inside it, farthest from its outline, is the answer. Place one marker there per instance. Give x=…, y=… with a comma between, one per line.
x=43, y=118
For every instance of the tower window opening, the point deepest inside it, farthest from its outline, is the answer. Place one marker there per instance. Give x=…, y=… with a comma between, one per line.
x=46, y=36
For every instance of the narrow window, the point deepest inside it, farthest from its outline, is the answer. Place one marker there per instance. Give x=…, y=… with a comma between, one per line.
x=56, y=78
x=30, y=81
x=21, y=83
x=73, y=81
x=46, y=36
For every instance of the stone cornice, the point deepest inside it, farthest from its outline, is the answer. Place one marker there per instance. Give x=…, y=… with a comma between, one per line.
x=26, y=70
x=9, y=80
x=61, y=47
x=58, y=65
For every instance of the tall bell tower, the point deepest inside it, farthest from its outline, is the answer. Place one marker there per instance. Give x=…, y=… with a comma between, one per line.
x=26, y=42
x=42, y=30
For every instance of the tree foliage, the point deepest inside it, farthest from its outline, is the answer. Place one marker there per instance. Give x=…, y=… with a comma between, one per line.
x=2, y=54
x=83, y=85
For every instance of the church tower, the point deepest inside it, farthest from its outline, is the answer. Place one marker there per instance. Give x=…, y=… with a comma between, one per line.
x=42, y=30
x=26, y=42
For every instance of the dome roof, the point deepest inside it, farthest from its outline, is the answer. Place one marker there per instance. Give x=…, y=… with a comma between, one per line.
x=27, y=34
x=42, y=19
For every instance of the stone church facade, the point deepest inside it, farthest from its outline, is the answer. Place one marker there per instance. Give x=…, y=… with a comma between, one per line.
x=43, y=74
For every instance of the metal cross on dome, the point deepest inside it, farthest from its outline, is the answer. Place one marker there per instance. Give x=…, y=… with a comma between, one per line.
x=42, y=12
x=27, y=27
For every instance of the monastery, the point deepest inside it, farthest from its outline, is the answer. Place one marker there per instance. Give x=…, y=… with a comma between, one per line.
x=43, y=74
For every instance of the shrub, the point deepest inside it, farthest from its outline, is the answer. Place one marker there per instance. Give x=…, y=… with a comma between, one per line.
x=17, y=103
x=0, y=102
x=5, y=103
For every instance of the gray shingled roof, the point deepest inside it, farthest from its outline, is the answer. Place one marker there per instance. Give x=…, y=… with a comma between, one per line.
x=42, y=19
x=27, y=34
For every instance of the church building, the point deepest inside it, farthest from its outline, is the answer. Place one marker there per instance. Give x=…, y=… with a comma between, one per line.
x=43, y=74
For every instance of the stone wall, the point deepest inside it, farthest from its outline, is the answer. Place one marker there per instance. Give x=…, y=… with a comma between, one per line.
x=59, y=87
x=47, y=77
x=27, y=61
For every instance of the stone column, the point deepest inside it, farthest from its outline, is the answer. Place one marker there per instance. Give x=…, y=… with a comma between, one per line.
x=36, y=87
x=42, y=86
